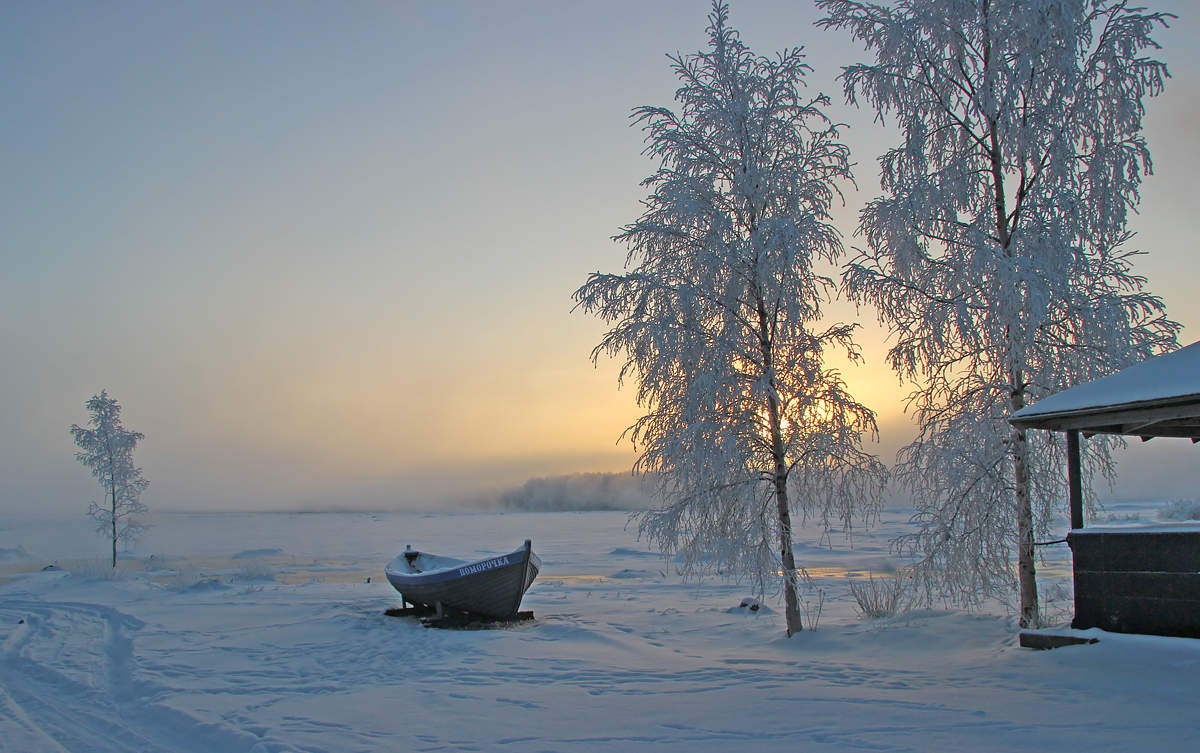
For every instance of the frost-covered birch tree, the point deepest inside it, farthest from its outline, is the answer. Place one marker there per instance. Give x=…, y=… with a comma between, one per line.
x=998, y=253
x=106, y=447
x=718, y=314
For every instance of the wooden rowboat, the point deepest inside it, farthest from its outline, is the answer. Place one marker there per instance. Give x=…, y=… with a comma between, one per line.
x=491, y=587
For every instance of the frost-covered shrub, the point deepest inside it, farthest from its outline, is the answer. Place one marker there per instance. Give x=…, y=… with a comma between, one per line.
x=812, y=605
x=96, y=570
x=1180, y=509
x=1122, y=517
x=881, y=597
x=1057, y=604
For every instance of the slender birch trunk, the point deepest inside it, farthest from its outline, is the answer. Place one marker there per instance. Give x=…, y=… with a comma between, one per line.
x=787, y=556
x=113, y=491
x=1026, y=568
x=1026, y=565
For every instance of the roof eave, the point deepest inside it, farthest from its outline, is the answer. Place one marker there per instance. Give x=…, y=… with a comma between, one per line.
x=1132, y=419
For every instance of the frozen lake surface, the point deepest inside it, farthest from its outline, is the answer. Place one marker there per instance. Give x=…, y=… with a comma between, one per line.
x=261, y=632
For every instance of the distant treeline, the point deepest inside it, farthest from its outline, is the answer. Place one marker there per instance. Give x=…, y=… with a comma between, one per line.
x=579, y=491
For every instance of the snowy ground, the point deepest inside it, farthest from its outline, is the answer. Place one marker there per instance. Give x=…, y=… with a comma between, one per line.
x=261, y=633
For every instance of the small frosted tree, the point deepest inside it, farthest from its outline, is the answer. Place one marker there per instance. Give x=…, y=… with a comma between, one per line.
x=106, y=447
x=997, y=254
x=716, y=318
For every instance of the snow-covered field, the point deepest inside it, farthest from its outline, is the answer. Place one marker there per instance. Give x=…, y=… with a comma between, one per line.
x=261, y=632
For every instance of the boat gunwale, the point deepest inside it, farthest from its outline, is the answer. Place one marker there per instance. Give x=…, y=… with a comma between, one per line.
x=518, y=557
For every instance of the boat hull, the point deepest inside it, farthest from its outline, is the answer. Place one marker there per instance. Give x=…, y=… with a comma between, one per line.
x=491, y=587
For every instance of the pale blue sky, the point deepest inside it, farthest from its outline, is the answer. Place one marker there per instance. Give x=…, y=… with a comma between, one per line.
x=323, y=252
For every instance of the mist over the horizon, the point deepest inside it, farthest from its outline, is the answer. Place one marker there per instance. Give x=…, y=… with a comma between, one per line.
x=579, y=492
x=1161, y=469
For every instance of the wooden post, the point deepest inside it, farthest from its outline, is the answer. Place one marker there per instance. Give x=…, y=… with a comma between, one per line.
x=1074, y=479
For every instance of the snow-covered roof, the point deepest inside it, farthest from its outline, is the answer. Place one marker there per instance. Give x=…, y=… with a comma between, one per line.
x=1157, y=397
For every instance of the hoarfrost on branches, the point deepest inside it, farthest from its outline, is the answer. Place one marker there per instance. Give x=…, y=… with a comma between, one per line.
x=998, y=253
x=717, y=319
x=107, y=449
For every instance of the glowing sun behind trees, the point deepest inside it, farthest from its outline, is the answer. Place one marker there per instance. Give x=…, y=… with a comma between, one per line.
x=716, y=317
x=996, y=254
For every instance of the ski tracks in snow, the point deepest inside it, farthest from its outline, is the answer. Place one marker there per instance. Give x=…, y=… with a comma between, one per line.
x=68, y=683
